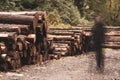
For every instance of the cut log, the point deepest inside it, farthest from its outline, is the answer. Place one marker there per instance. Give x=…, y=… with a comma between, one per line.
x=31, y=38
x=9, y=28
x=65, y=31
x=52, y=36
x=24, y=29
x=65, y=28
x=60, y=44
x=112, y=43
x=63, y=39
x=107, y=28
x=64, y=42
x=21, y=45
x=111, y=46
x=42, y=14
x=21, y=29
x=21, y=37
x=61, y=33
x=6, y=36
x=112, y=38
x=113, y=33
x=19, y=19
x=60, y=49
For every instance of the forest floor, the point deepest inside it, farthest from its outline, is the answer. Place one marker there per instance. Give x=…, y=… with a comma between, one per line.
x=82, y=67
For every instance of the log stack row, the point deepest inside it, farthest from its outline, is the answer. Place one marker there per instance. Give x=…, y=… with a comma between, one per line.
x=66, y=41
x=19, y=40
x=112, y=36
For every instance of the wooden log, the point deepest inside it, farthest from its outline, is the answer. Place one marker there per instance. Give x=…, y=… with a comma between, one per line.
x=21, y=45
x=107, y=28
x=31, y=38
x=113, y=33
x=60, y=44
x=25, y=29
x=64, y=42
x=64, y=31
x=60, y=49
x=112, y=38
x=21, y=37
x=6, y=36
x=63, y=39
x=112, y=43
x=62, y=53
x=9, y=28
x=61, y=33
x=111, y=46
x=52, y=36
x=21, y=29
x=19, y=19
x=42, y=14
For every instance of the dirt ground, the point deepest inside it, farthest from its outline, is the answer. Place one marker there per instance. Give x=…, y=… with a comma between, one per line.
x=82, y=67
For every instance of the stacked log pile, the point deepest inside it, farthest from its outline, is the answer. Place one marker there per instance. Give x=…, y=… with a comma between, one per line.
x=112, y=35
x=18, y=38
x=66, y=41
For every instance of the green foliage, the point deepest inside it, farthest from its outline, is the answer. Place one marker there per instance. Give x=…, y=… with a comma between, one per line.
x=109, y=9
x=54, y=17
x=29, y=4
x=66, y=9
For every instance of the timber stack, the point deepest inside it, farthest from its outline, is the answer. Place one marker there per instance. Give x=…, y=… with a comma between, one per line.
x=66, y=41
x=23, y=36
x=112, y=36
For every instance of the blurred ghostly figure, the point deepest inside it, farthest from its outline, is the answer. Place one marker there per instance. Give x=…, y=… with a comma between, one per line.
x=98, y=39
